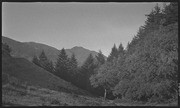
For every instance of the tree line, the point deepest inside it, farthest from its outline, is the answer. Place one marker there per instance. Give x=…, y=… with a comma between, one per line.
x=68, y=69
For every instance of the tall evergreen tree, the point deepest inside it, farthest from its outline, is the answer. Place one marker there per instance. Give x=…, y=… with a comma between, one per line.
x=121, y=49
x=73, y=66
x=87, y=69
x=88, y=64
x=42, y=57
x=43, y=61
x=100, y=58
x=73, y=61
x=61, y=67
x=113, y=54
x=153, y=19
x=170, y=13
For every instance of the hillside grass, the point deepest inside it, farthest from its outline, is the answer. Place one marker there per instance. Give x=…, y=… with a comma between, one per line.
x=18, y=93
x=12, y=95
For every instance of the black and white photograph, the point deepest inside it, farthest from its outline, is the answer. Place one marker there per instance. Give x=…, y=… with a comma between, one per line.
x=90, y=54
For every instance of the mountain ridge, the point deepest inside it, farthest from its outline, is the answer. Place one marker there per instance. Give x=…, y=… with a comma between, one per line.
x=29, y=49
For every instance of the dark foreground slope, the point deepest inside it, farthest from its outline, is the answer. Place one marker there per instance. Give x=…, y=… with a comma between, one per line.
x=26, y=71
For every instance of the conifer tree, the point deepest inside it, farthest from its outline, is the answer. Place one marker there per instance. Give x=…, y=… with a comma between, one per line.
x=170, y=13
x=113, y=54
x=88, y=64
x=87, y=69
x=61, y=67
x=121, y=49
x=73, y=61
x=73, y=65
x=100, y=58
x=43, y=61
x=153, y=19
x=42, y=58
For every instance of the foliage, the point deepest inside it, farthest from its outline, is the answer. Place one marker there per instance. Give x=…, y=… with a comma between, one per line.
x=106, y=76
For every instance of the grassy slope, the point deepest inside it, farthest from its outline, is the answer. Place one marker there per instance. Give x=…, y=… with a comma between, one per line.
x=26, y=71
x=13, y=95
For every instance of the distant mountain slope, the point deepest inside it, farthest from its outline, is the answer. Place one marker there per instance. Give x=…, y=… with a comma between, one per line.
x=29, y=49
x=24, y=70
x=80, y=53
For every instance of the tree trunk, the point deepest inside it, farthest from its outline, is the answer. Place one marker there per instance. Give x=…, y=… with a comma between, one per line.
x=104, y=94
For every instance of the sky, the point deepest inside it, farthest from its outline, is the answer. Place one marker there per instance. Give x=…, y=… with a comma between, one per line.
x=94, y=26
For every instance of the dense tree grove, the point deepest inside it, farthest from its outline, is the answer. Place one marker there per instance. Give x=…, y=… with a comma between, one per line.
x=67, y=68
x=148, y=69
x=106, y=76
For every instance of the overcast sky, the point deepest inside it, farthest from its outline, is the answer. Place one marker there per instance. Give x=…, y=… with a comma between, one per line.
x=91, y=25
